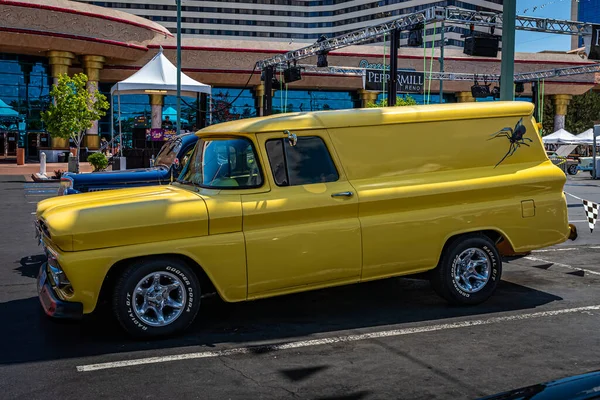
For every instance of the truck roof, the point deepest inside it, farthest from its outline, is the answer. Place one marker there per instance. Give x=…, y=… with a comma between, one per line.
x=372, y=116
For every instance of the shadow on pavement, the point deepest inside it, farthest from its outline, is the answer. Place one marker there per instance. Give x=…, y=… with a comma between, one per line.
x=30, y=336
x=30, y=266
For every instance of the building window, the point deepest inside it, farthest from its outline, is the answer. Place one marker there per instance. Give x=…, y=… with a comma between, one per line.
x=24, y=94
x=294, y=100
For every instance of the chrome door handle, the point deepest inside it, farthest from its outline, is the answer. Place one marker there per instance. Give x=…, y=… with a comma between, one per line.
x=342, y=194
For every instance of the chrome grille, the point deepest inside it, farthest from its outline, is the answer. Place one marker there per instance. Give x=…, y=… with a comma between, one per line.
x=44, y=228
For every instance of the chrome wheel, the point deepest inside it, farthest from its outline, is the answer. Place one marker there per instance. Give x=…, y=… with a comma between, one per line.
x=159, y=298
x=472, y=270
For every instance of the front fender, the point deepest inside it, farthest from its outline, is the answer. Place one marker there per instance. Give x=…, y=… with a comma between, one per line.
x=222, y=257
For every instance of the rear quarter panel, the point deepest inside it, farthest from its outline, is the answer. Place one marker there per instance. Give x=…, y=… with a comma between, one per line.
x=419, y=184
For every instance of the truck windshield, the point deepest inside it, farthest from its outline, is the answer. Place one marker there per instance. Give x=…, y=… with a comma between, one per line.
x=168, y=152
x=228, y=163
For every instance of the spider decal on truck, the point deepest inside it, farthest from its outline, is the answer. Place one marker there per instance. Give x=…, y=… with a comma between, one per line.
x=515, y=137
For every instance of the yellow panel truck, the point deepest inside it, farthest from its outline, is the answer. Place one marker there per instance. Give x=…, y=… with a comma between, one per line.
x=293, y=202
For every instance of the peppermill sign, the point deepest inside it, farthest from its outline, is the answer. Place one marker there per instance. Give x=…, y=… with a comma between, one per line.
x=408, y=81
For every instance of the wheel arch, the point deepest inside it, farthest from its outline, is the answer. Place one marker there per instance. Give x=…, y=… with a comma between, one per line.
x=497, y=236
x=206, y=284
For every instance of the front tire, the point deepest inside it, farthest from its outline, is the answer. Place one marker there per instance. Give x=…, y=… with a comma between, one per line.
x=156, y=297
x=572, y=169
x=469, y=270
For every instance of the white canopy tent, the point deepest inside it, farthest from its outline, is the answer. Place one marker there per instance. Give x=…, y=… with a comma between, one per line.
x=158, y=76
x=561, y=136
x=586, y=137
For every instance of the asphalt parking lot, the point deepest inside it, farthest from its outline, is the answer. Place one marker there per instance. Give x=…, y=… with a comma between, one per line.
x=392, y=339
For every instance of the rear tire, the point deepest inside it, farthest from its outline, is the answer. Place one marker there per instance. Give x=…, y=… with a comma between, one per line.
x=469, y=270
x=156, y=297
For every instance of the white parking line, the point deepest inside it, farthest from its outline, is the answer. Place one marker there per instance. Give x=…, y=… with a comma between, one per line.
x=557, y=249
x=336, y=339
x=562, y=265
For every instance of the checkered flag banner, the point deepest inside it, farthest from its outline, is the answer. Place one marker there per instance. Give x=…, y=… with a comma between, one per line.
x=590, y=208
x=591, y=212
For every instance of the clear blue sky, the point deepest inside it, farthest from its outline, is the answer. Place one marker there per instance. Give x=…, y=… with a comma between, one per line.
x=534, y=41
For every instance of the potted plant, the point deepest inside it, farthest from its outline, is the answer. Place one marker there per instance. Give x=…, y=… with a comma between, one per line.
x=73, y=110
x=98, y=161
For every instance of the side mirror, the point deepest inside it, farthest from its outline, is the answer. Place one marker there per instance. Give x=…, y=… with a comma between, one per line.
x=292, y=138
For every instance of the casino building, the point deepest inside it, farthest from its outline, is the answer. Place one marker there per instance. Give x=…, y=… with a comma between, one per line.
x=40, y=39
x=285, y=20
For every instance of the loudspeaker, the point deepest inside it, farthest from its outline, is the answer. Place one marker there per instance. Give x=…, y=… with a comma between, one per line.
x=480, y=92
x=138, y=138
x=519, y=87
x=292, y=74
x=322, y=59
x=483, y=46
x=415, y=37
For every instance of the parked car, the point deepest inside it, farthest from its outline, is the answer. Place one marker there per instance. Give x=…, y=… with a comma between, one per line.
x=586, y=164
x=168, y=162
x=282, y=204
x=576, y=387
x=570, y=165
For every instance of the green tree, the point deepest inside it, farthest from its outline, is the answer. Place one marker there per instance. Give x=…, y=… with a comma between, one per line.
x=582, y=112
x=73, y=109
x=400, y=101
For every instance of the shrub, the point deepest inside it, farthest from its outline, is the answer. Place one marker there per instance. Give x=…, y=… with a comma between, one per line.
x=400, y=101
x=98, y=161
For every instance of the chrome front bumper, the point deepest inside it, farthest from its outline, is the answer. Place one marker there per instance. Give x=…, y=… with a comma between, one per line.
x=52, y=305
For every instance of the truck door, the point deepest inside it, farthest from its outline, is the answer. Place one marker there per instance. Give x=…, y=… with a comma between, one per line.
x=305, y=232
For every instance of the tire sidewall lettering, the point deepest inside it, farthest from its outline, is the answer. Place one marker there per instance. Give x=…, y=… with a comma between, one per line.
x=452, y=274
x=493, y=262
x=190, y=290
x=180, y=274
x=131, y=314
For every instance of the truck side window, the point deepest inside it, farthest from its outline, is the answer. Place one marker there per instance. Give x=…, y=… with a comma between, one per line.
x=307, y=162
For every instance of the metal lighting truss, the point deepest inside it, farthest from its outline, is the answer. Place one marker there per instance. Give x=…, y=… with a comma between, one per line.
x=534, y=24
x=552, y=73
x=459, y=76
x=450, y=15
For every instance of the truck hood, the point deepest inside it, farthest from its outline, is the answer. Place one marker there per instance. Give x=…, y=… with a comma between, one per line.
x=123, y=217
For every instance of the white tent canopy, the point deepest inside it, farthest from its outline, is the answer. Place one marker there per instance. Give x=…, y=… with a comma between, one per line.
x=587, y=137
x=159, y=76
x=561, y=136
